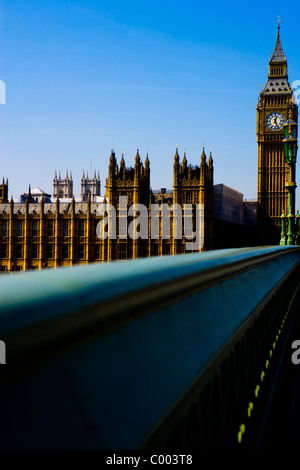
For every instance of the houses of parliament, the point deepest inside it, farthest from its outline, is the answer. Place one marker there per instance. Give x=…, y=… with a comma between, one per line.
x=41, y=231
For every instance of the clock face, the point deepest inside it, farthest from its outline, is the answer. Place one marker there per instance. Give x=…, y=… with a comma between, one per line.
x=274, y=121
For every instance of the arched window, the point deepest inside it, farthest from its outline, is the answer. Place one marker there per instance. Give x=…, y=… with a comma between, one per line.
x=189, y=197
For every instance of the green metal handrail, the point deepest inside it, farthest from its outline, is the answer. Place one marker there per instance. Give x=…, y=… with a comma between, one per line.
x=110, y=355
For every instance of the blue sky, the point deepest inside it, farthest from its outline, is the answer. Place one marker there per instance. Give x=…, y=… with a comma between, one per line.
x=84, y=76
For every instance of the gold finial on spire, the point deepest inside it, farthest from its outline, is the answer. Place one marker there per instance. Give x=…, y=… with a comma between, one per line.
x=278, y=22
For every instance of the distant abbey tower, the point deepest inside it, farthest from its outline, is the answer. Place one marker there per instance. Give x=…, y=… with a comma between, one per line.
x=62, y=188
x=90, y=186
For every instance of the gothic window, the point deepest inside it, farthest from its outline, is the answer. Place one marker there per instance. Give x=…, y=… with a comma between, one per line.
x=4, y=228
x=172, y=222
x=144, y=251
x=19, y=228
x=156, y=249
x=65, y=251
x=123, y=225
x=155, y=223
x=81, y=227
x=50, y=251
x=4, y=251
x=34, y=251
x=19, y=251
x=168, y=249
x=81, y=251
x=97, y=251
x=188, y=227
x=66, y=228
x=189, y=197
x=50, y=228
x=35, y=227
x=122, y=251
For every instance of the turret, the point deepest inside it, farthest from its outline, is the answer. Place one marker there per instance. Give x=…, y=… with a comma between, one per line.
x=112, y=167
x=122, y=167
x=4, y=191
x=147, y=166
x=210, y=167
x=11, y=205
x=184, y=163
x=176, y=158
x=203, y=157
x=137, y=165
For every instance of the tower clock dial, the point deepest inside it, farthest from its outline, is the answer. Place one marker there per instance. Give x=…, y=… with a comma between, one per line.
x=274, y=121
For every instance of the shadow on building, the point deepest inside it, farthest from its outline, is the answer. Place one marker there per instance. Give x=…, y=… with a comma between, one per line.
x=234, y=220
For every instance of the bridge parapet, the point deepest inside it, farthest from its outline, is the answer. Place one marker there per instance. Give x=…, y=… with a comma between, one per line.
x=160, y=353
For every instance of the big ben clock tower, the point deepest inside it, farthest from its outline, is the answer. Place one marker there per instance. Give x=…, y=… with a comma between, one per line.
x=275, y=106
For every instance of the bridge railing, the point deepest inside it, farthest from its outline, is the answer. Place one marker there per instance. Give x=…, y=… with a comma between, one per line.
x=161, y=353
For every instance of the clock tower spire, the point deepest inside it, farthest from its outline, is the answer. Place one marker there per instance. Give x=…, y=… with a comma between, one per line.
x=278, y=55
x=275, y=105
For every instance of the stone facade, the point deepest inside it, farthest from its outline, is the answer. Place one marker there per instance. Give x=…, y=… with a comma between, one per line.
x=39, y=235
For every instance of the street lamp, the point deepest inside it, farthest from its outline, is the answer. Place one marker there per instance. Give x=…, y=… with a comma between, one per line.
x=290, y=154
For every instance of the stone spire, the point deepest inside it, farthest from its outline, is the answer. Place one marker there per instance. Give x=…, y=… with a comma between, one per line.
x=278, y=55
x=184, y=162
x=176, y=157
x=203, y=157
x=122, y=162
x=112, y=158
x=277, y=82
x=137, y=168
x=137, y=157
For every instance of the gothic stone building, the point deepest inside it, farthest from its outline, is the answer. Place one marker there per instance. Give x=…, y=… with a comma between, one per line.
x=63, y=233
x=37, y=235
